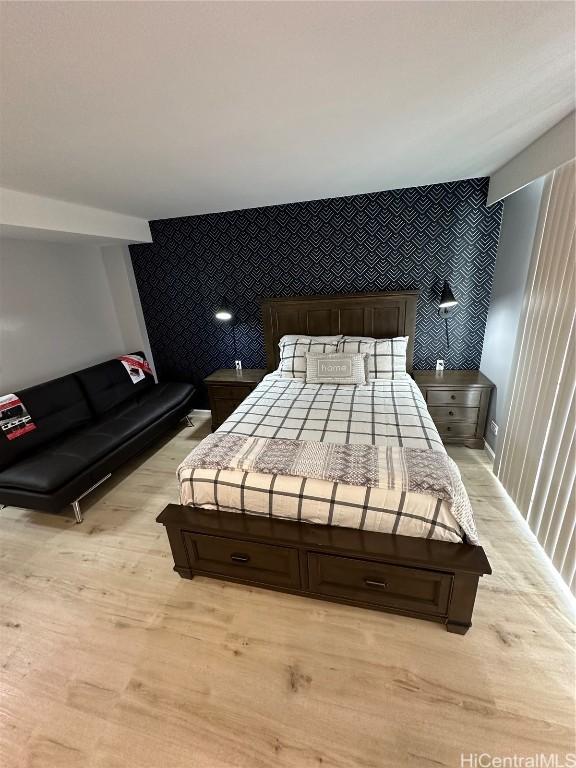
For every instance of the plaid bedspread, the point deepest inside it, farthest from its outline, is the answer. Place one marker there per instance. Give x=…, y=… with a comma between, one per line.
x=382, y=413
x=402, y=469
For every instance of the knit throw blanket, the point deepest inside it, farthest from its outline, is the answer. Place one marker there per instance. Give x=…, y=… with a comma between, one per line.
x=413, y=470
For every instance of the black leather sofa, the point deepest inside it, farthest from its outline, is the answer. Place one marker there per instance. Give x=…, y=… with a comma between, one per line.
x=86, y=425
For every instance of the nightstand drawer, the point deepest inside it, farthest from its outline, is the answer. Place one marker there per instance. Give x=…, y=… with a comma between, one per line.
x=466, y=397
x=456, y=428
x=453, y=413
x=227, y=388
x=221, y=409
x=235, y=392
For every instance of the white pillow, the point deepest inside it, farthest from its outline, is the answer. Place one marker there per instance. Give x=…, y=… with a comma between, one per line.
x=386, y=357
x=293, y=351
x=336, y=368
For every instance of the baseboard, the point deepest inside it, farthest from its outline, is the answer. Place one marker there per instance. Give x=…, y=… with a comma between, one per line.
x=489, y=451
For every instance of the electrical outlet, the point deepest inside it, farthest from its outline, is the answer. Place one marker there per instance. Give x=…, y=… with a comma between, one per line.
x=439, y=365
x=493, y=427
x=238, y=364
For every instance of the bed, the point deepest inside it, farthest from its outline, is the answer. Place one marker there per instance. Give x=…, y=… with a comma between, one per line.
x=406, y=546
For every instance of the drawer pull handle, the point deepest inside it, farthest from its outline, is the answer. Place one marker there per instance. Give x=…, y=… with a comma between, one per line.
x=448, y=429
x=372, y=583
x=452, y=397
x=237, y=557
x=450, y=413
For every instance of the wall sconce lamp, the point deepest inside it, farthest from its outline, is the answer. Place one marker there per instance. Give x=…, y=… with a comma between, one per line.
x=446, y=308
x=224, y=311
x=225, y=314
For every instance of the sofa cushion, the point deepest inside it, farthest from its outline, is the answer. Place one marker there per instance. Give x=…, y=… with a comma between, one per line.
x=56, y=408
x=109, y=384
x=156, y=401
x=56, y=465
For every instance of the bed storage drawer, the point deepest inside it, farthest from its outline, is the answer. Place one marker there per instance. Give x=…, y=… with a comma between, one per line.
x=379, y=584
x=467, y=397
x=424, y=578
x=245, y=560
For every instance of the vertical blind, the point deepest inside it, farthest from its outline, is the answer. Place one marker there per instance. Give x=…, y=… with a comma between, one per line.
x=536, y=462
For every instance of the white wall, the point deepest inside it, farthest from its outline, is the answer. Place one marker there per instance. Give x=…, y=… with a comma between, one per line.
x=58, y=312
x=122, y=285
x=27, y=216
x=512, y=261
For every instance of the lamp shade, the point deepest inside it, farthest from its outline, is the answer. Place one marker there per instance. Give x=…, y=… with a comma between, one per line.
x=447, y=298
x=224, y=310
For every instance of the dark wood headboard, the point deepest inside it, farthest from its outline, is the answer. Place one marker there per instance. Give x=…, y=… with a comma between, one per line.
x=379, y=315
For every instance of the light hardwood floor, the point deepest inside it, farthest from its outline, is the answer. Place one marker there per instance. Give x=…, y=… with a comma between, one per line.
x=110, y=660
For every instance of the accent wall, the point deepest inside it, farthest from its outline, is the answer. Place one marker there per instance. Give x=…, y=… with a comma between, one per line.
x=400, y=239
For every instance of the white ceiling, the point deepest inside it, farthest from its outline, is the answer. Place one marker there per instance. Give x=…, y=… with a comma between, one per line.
x=166, y=109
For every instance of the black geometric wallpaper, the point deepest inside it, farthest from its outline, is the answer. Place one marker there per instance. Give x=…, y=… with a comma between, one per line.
x=400, y=239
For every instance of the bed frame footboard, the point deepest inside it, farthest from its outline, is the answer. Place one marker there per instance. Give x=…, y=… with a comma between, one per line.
x=423, y=578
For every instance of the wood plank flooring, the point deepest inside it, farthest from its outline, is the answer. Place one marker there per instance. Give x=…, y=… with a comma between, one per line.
x=110, y=660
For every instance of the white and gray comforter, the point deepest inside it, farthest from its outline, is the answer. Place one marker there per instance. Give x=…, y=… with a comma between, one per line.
x=389, y=413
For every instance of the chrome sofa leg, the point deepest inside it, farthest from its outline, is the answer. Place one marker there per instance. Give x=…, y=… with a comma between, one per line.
x=2, y=506
x=76, y=504
x=77, y=511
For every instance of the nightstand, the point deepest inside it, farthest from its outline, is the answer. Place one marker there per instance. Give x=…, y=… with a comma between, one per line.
x=227, y=388
x=458, y=403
